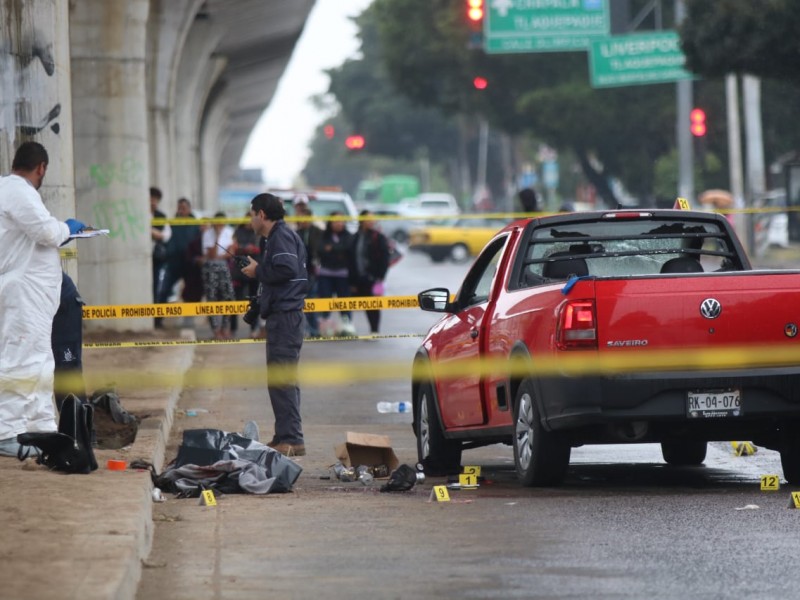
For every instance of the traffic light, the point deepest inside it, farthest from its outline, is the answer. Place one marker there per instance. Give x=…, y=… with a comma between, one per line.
x=329, y=131
x=475, y=11
x=697, y=120
x=354, y=142
x=480, y=83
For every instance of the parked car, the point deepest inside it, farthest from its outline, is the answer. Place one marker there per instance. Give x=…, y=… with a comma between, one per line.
x=436, y=204
x=397, y=220
x=457, y=239
x=322, y=202
x=394, y=220
x=610, y=327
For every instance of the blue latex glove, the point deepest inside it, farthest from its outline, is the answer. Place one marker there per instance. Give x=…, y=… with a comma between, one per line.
x=75, y=226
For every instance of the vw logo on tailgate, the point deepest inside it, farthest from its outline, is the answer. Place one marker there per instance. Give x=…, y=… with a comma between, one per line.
x=710, y=308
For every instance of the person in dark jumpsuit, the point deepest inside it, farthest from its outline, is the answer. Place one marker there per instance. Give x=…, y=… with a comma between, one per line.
x=282, y=273
x=67, y=342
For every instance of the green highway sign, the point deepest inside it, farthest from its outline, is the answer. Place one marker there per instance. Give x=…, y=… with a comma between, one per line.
x=543, y=25
x=637, y=59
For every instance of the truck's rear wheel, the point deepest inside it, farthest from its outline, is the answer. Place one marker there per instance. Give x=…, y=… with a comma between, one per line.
x=438, y=455
x=685, y=453
x=541, y=457
x=790, y=453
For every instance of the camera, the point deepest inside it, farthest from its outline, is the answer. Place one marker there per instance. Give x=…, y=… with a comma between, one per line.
x=242, y=261
x=253, y=311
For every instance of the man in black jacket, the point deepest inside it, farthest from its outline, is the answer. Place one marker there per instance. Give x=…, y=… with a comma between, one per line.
x=369, y=262
x=284, y=283
x=312, y=239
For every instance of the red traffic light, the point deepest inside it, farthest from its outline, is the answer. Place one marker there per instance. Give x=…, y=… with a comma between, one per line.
x=354, y=142
x=697, y=120
x=480, y=83
x=475, y=10
x=329, y=131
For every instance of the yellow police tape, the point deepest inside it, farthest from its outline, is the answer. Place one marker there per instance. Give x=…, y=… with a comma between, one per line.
x=510, y=216
x=167, y=343
x=210, y=309
x=578, y=363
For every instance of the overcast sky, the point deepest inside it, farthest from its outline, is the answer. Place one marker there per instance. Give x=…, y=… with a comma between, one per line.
x=328, y=39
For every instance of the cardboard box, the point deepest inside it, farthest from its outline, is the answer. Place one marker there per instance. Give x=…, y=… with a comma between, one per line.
x=366, y=449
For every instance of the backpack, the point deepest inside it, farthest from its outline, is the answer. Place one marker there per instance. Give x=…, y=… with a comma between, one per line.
x=69, y=449
x=114, y=426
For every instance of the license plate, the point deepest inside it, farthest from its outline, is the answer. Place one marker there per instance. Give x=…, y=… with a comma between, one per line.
x=717, y=403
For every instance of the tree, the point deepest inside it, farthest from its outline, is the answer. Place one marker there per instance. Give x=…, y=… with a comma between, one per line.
x=416, y=66
x=624, y=130
x=731, y=36
x=330, y=163
x=756, y=38
x=396, y=127
x=378, y=109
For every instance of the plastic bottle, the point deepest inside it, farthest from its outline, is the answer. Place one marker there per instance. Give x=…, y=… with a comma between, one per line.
x=394, y=407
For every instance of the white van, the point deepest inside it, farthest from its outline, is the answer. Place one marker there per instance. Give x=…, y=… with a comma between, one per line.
x=322, y=202
x=438, y=204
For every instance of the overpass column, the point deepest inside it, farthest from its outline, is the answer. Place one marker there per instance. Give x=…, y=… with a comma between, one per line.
x=169, y=24
x=35, y=96
x=108, y=44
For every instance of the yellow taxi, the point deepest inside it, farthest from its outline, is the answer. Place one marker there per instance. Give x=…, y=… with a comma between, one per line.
x=456, y=239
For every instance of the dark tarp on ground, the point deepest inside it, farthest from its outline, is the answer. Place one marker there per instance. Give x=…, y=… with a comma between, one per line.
x=228, y=463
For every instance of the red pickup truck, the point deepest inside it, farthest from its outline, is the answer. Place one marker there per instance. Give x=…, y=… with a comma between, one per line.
x=610, y=327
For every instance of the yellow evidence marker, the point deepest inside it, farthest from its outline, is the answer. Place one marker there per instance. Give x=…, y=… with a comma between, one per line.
x=743, y=448
x=441, y=493
x=770, y=483
x=207, y=498
x=468, y=481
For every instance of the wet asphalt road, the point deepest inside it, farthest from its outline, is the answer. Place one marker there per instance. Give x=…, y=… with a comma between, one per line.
x=624, y=525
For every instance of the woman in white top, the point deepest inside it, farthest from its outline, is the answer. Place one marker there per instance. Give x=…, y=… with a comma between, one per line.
x=217, y=284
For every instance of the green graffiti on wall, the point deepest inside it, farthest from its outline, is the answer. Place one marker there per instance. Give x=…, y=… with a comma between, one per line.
x=130, y=172
x=124, y=219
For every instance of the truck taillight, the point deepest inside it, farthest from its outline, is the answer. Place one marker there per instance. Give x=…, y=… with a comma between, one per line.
x=577, y=325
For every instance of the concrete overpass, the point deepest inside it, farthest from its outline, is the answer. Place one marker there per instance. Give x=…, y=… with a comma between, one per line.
x=125, y=94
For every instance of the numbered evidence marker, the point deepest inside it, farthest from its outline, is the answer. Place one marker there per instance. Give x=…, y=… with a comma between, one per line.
x=472, y=470
x=770, y=483
x=681, y=204
x=743, y=448
x=440, y=493
x=207, y=498
x=468, y=481
x=796, y=499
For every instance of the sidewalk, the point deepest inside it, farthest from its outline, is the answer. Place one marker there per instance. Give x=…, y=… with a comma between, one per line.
x=79, y=536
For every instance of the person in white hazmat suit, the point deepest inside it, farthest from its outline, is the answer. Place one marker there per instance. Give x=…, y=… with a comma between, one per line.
x=30, y=288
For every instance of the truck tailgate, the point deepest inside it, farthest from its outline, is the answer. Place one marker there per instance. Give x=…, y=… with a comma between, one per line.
x=744, y=308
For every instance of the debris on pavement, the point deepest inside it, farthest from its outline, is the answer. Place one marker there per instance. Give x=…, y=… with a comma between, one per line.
x=369, y=450
x=403, y=478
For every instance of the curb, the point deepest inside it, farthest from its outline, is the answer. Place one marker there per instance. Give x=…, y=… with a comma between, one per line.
x=150, y=445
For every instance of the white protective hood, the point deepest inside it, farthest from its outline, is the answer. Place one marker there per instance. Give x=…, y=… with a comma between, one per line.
x=30, y=287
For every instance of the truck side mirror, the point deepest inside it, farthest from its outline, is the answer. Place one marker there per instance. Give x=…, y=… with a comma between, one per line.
x=434, y=300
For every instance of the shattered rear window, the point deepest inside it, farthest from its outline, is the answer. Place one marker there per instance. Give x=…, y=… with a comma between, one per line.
x=623, y=247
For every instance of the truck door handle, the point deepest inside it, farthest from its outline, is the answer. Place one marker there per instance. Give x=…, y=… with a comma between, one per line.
x=473, y=334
